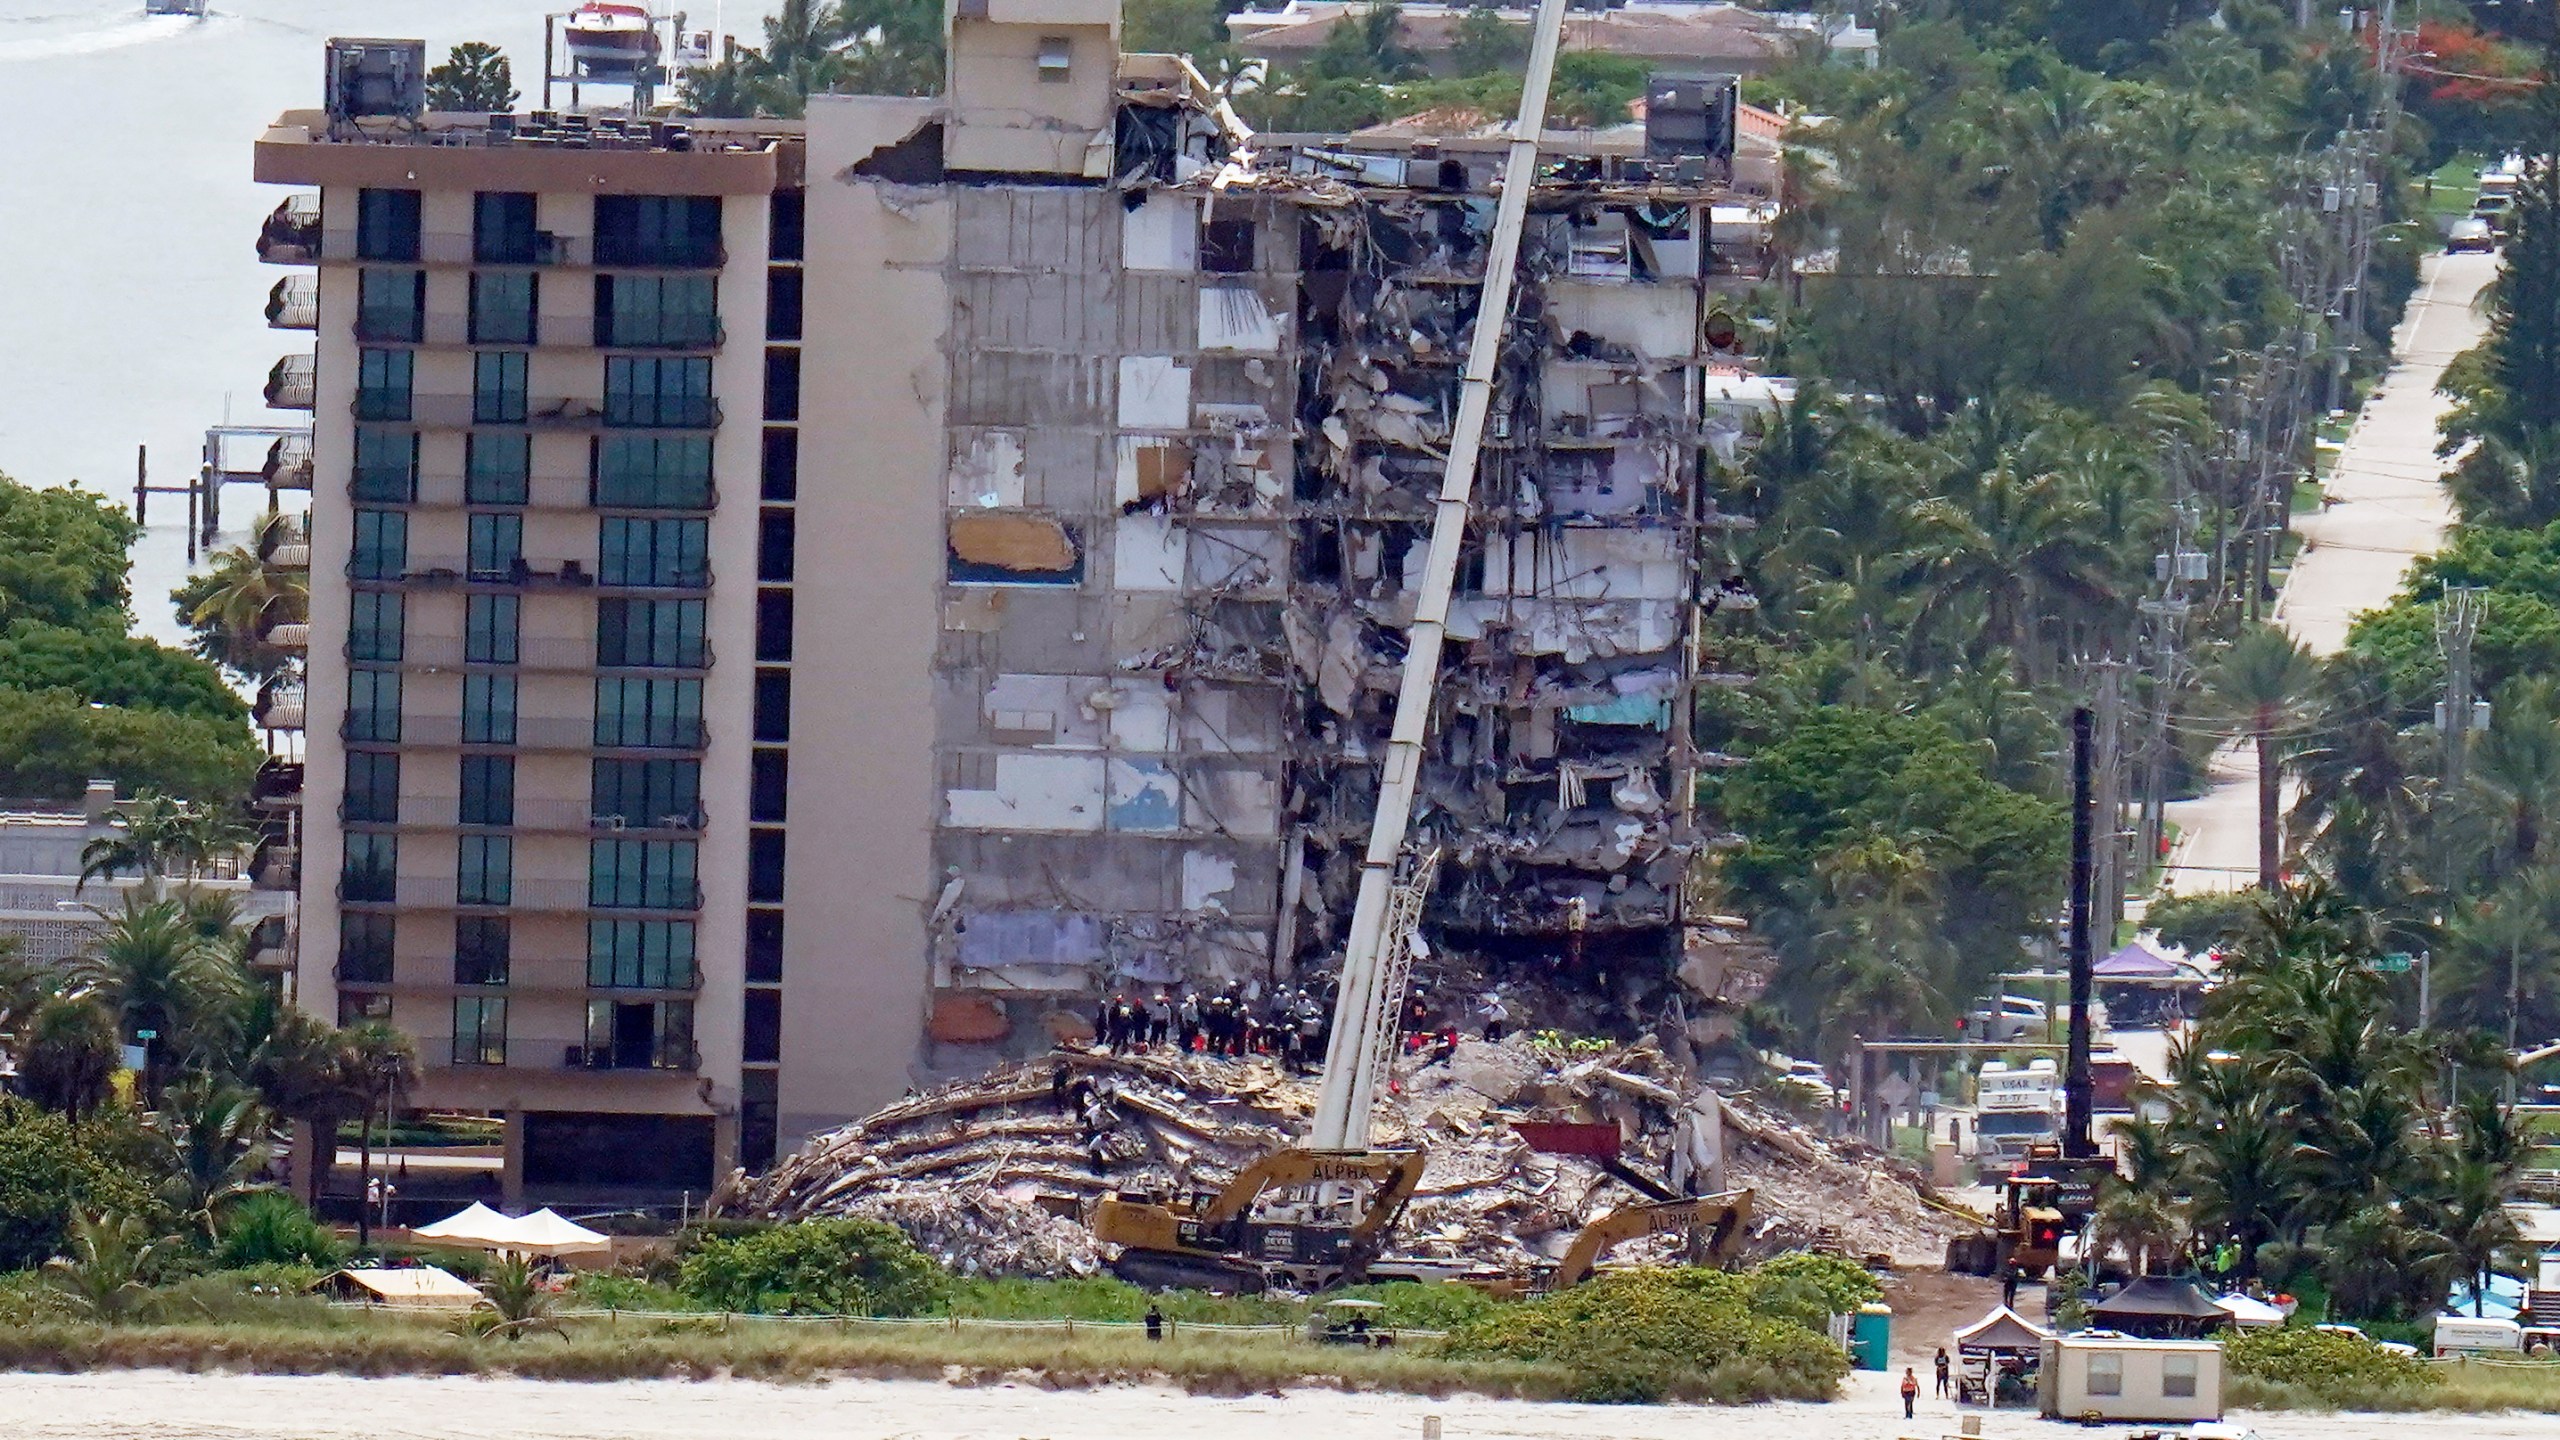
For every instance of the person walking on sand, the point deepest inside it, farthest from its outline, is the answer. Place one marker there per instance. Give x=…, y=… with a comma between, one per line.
x=1910, y=1390
x=1945, y=1385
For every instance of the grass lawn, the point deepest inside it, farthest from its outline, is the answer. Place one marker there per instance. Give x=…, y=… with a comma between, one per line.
x=2456, y=185
x=2476, y=1388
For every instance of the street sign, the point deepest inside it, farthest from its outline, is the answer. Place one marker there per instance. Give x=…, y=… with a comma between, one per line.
x=2398, y=962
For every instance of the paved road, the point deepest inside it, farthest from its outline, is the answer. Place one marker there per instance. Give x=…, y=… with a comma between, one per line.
x=2387, y=510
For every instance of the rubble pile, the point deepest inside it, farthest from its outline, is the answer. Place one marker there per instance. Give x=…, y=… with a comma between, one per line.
x=984, y=1173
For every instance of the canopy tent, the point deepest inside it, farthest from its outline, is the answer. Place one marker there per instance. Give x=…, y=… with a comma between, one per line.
x=2249, y=1312
x=544, y=1232
x=2140, y=963
x=2503, y=1301
x=2159, y=1309
x=421, y=1287
x=2002, y=1332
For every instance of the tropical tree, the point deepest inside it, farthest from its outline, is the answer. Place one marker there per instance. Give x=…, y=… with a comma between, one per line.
x=159, y=979
x=385, y=1065
x=306, y=1070
x=156, y=835
x=101, y=1277
x=519, y=1301
x=67, y=1055
x=239, y=598
x=475, y=78
x=2263, y=681
x=213, y=1141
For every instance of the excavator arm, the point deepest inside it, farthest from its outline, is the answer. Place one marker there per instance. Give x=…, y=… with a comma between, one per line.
x=1721, y=1218
x=1396, y=1173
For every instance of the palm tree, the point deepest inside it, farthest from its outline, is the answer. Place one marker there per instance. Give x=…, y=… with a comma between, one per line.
x=102, y=1276
x=213, y=1141
x=307, y=1071
x=152, y=833
x=2475, y=1233
x=151, y=970
x=2518, y=763
x=239, y=598
x=2263, y=680
x=519, y=1302
x=2510, y=479
x=385, y=1065
x=68, y=1056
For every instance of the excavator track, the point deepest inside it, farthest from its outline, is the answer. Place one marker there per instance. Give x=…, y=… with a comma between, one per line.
x=1166, y=1270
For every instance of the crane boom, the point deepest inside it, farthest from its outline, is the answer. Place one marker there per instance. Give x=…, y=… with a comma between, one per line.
x=1351, y=1062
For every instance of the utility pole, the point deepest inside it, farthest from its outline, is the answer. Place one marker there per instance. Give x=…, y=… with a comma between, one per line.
x=2075, y=1076
x=2107, y=872
x=2457, y=624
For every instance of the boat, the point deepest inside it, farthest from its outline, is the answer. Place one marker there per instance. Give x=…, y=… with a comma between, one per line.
x=193, y=8
x=607, y=39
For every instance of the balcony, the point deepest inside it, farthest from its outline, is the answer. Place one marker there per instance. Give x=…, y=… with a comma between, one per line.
x=294, y=303
x=546, y=817
x=542, y=412
x=444, y=892
x=541, y=653
x=541, y=492
x=672, y=1056
x=436, y=571
x=291, y=234
x=276, y=866
x=452, y=247
x=291, y=383
x=288, y=465
x=278, y=784
x=279, y=706
x=286, y=543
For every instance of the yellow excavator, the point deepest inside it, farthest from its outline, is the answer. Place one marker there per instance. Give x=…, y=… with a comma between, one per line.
x=1716, y=1224
x=1214, y=1240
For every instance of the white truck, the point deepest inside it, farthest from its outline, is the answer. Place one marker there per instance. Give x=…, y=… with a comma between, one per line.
x=2016, y=1108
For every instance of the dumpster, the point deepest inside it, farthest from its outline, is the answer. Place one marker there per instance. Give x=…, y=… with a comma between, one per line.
x=1871, y=1337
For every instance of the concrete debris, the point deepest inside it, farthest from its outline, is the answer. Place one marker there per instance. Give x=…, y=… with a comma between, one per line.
x=984, y=1172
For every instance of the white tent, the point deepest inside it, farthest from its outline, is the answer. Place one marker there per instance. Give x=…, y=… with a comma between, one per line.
x=478, y=1225
x=424, y=1287
x=548, y=1232
x=2249, y=1313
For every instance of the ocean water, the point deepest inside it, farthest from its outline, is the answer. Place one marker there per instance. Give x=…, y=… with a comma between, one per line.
x=133, y=310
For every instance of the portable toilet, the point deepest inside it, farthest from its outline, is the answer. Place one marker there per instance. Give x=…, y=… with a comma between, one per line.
x=1871, y=1338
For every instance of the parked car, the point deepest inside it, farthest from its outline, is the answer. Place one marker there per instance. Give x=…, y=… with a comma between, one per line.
x=2470, y=233
x=2011, y=1018
x=1807, y=1078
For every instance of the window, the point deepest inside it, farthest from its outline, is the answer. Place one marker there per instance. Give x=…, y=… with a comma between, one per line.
x=1057, y=59
x=781, y=463
x=355, y=1008
x=764, y=866
x=364, y=948
x=671, y=231
x=373, y=629
x=648, y=794
x=650, y=633
x=764, y=945
x=1226, y=247
x=773, y=623
x=480, y=1030
x=382, y=384
x=774, y=541
x=387, y=225
x=502, y=230
x=790, y=224
x=370, y=869
x=480, y=950
x=782, y=291
x=373, y=706
x=642, y=874
x=488, y=790
x=659, y=390
x=640, y=954
x=666, y=553
x=644, y=1035
x=485, y=870
x=373, y=788
x=391, y=305
x=759, y=1119
x=2178, y=1376
x=650, y=472
x=381, y=550
x=633, y=713
x=497, y=546
x=489, y=630
x=386, y=466
x=497, y=387
x=773, y=705
x=488, y=709
x=505, y=307
x=769, y=785
x=763, y=1041
x=498, y=467
x=640, y=312
x=2106, y=1374
x=782, y=383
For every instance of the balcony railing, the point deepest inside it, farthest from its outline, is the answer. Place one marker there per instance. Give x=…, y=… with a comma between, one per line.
x=291, y=234
x=541, y=492
x=444, y=812
x=288, y=465
x=294, y=303
x=278, y=783
x=280, y=707
x=537, y=412
x=523, y=1052
x=427, y=571
x=432, y=651
x=552, y=733
x=290, y=384
x=444, y=892
x=449, y=247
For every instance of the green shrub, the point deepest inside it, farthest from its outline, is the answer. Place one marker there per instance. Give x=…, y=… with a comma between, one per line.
x=50, y=1168
x=1435, y=1306
x=1639, y=1334
x=1808, y=1289
x=272, y=1228
x=855, y=1267
x=2328, y=1364
x=599, y=1291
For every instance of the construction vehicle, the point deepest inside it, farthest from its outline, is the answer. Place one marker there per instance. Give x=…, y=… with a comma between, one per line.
x=1217, y=1240
x=2051, y=1196
x=1715, y=1224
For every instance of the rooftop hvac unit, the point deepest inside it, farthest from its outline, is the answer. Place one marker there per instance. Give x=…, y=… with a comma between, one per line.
x=1690, y=115
x=377, y=79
